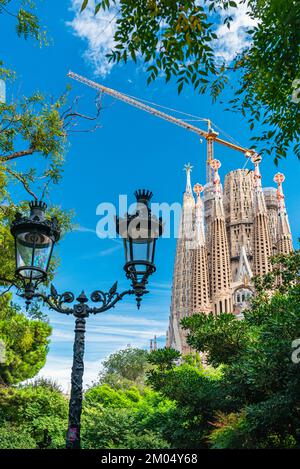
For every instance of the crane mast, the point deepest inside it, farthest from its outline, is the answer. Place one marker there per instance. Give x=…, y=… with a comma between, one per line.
x=211, y=136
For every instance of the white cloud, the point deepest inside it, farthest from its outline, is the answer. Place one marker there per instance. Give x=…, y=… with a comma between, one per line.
x=84, y=229
x=98, y=32
x=232, y=41
x=103, y=252
x=109, y=319
x=104, y=335
x=59, y=370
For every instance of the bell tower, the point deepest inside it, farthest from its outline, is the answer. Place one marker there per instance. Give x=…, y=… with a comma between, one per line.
x=284, y=236
x=261, y=235
x=221, y=277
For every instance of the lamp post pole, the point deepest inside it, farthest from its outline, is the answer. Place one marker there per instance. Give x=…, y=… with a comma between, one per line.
x=80, y=310
x=35, y=236
x=75, y=404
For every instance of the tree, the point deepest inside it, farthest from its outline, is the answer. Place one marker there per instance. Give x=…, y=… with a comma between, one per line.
x=195, y=392
x=125, y=366
x=121, y=411
x=39, y=410
x=260, y=379
x=178, y=39
x=36, y=125
x=25, y=343
x=124, y=418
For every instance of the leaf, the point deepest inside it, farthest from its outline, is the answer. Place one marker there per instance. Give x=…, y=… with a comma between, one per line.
x=97, y=8
x=84, y=5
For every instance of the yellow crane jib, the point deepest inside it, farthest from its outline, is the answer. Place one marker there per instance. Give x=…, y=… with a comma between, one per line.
x=211, y=135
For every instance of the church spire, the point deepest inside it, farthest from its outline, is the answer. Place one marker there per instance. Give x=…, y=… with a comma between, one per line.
x=188, y=207
x=199, y=217
x=284, y=237
x=220, y=262
x=259, y=200
x=181, y=305
x=209, y=275
x=261, y=236
x=200, y=272
x=188, y=169
x=218, y=195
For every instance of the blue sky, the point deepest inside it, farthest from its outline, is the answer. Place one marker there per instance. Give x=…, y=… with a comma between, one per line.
x=131, y=150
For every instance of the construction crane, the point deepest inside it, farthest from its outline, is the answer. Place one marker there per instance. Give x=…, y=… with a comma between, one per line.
x=210, y=135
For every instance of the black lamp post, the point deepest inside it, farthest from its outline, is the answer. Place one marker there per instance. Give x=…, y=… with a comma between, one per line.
x=35, y=236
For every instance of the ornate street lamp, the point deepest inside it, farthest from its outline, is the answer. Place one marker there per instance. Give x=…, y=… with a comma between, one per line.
x=140, y=231
x=35, y=236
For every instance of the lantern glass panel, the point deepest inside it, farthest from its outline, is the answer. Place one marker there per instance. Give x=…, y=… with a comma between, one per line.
x=33, y=250
x=142, y=250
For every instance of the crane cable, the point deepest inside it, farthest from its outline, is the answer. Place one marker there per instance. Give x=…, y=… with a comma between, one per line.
x=194, y=117
x=199, y=119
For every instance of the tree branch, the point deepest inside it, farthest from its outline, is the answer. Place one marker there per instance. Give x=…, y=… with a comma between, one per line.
x=23, y=181
x=6, y=290
x=93, y=129
x=17, y=154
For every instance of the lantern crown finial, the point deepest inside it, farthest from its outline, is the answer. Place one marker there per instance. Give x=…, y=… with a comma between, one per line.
x=143, y=196
x=37, y=209
x=38, y=204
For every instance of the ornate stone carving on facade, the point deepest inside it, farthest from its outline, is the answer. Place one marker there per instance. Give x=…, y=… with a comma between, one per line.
x=232, y=238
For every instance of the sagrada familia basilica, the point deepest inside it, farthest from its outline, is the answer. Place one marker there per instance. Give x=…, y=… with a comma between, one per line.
x=226, y=237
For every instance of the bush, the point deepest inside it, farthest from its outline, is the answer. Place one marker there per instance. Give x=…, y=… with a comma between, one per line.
x=40, y=410
x=13, y=437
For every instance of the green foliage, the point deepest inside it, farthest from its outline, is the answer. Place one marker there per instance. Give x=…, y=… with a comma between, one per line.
x=32, y=126
x=268, y=69
x=260, y=380
x=124, y=418
x=5, y=73
x=121, y=412
x=37, y=409
x=223, y=335
x=26, y=343
x=195, y=390
x=26, y=21
x=15, y=437
x=182, y=48
x=176, y=39
x=146, y=440
x=105, y=395
x=106, y=429
x=125, y=366
x=164, y=358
